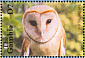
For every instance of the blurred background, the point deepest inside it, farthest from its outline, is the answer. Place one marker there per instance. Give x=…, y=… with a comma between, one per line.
x=71, y=15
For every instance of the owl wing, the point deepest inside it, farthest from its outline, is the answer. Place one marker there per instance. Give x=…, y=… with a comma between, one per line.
x=25, y=48
x=62, y=46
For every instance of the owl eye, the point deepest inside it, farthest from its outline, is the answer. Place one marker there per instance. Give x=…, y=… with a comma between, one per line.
x=33, y=23
x=48, y=21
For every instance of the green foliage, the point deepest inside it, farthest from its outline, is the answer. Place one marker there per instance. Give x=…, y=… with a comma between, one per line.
x=71, y=15
x=15, y=20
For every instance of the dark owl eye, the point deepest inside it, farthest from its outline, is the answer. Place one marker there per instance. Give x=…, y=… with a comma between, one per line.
x=33, y=23
x=48, y=21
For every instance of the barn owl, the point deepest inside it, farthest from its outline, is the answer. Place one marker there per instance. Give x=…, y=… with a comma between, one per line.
x=43, y=32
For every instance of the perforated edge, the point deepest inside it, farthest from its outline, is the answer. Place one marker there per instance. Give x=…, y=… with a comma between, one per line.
x=0, y=28
x=43, y=56
x=42, y=1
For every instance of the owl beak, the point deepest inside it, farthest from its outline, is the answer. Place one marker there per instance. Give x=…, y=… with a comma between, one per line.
x=40, y=33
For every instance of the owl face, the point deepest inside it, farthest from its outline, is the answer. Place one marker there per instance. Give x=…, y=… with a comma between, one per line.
x=41, y=27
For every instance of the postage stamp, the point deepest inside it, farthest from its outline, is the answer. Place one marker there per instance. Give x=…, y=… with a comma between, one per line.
x=42, y=28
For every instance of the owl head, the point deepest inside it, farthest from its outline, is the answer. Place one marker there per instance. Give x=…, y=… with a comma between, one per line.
x=40, y=23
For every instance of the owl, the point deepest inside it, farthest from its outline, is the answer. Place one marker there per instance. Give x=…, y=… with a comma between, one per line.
x=43, y=32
